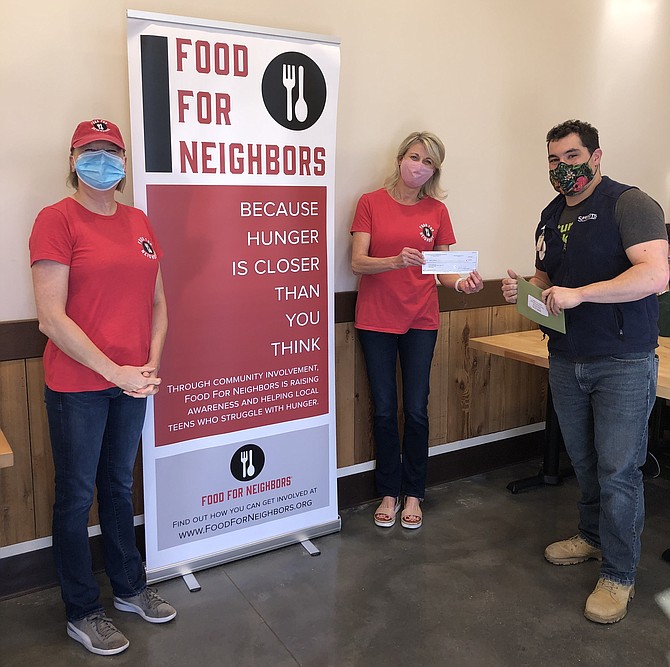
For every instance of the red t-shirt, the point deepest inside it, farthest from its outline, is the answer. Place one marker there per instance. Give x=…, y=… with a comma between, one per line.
x=399, y=300
x=113, y=262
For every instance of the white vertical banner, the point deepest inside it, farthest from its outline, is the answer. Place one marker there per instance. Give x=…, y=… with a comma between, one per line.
x=233, y=157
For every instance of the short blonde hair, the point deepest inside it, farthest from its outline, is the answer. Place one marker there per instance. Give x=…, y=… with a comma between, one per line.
x=435, y=149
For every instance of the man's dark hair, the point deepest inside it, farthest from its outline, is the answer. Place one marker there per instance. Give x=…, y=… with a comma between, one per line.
x=588, y=134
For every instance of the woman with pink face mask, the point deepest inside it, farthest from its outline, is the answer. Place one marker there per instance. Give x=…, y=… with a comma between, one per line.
x=397, y=315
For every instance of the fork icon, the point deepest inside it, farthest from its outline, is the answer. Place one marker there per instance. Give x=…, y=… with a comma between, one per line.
x=288, y=79
x=244, y=457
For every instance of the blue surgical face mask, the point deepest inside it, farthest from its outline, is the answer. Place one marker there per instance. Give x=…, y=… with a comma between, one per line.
x=100, y=170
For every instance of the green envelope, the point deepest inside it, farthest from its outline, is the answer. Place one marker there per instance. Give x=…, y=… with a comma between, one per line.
x=529, y=303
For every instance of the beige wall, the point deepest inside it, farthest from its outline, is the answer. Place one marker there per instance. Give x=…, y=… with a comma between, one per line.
x=489, y=76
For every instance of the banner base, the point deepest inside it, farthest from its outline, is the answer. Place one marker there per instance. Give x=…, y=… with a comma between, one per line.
x=310, y=548
x=191, y=582
x=251, y=549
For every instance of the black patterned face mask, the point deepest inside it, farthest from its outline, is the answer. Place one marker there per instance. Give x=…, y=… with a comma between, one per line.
x=571, y=179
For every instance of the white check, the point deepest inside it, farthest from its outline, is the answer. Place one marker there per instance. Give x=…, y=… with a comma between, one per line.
x=449, y=261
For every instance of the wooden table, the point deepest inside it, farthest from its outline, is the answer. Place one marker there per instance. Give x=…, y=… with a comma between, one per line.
x=6, y=453
x=530, y=347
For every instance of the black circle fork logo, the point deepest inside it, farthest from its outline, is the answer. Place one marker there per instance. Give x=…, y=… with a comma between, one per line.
x=294, y=90
x=247, y=462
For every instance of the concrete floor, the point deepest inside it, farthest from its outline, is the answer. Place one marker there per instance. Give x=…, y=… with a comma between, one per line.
x=470, y=588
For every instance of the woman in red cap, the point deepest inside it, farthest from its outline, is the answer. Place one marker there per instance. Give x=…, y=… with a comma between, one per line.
x=100, y=301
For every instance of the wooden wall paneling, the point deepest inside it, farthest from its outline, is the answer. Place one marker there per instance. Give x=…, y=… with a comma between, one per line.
x=345, y=392
x=518, y=390
x=534, y=389
x=468, y=391
x=17, y=510
x=464, y=402
x=363, y=441
x=505, y=319
x=40, y=445
x=439, y=386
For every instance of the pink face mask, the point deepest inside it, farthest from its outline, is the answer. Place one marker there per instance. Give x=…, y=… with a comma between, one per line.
x=415, y=174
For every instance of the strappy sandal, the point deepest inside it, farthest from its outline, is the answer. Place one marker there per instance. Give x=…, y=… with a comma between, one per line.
x=385, y=518
x=411, y=518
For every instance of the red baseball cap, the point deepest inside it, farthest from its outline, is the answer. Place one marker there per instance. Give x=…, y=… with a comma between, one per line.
x=96, y=130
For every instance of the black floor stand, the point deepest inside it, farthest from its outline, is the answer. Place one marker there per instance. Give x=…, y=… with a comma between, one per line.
x=656, y=428
x=549, y=474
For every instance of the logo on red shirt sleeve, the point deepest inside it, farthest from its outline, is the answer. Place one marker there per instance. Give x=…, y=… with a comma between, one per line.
x=147, y=248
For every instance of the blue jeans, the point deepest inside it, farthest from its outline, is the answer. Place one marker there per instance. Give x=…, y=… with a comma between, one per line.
x=400, y=471
x=603, y=408
x=94, y=439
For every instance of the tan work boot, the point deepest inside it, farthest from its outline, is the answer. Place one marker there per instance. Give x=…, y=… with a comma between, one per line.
x=609, y=601
x=571, y=551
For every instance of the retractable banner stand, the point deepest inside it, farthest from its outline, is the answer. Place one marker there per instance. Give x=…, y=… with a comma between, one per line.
x=233, y=156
